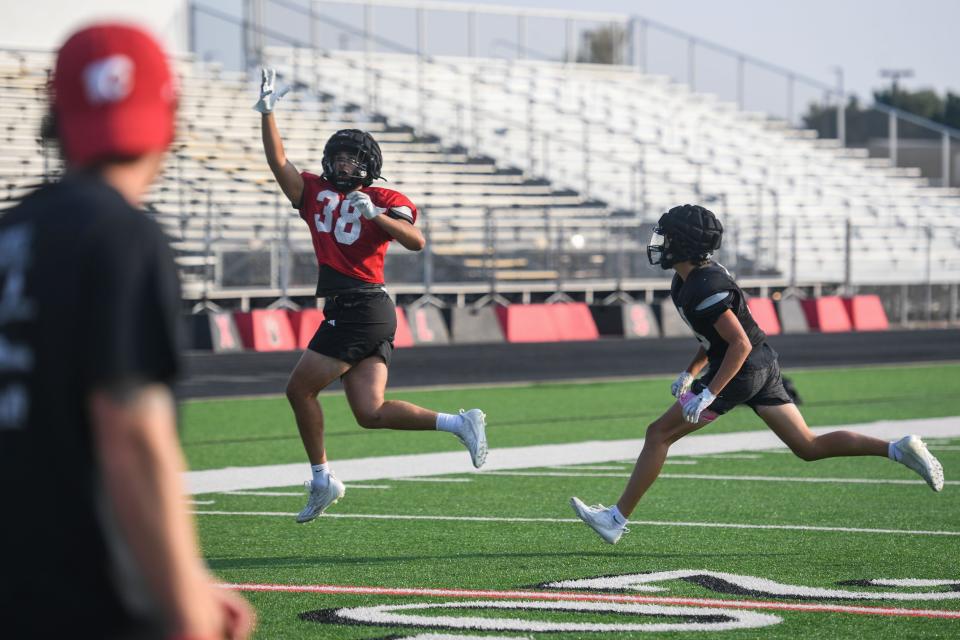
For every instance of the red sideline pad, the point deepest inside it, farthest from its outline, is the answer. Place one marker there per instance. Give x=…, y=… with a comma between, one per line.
x=866, y=313
x=547, y=322
x=266, y=330
x=827, y=314
x=765, y=315
x=403, y=337
x=305, y=323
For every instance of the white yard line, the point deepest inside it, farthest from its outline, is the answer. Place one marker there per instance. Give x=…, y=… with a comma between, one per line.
x=636, y=523
x=434, y=479
x=591, y=467
x=590, y=452
x=704, y=476
x=300, y=494
x=734, y=456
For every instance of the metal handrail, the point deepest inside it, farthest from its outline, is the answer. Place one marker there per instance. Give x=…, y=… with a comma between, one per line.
x=920, y=121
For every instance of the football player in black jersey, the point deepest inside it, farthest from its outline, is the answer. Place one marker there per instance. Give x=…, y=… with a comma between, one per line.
x=741, y=368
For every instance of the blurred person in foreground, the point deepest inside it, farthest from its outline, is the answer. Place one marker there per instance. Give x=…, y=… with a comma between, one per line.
x=738, y=367
x=98, y=539
x=351, y=223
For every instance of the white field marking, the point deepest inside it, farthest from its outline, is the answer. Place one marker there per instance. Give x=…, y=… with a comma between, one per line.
x=201, y=501
x=631, y=462
x=912, y=582
x=433, y=479
x=299, y=494
x=705, y=476
x=588, y=452
x=589, y=467
x=758, y=587
x=596, y=597
x=652, y=523
x=733, y=456
x=456, y=636
x=398, y=615
x=944, y=447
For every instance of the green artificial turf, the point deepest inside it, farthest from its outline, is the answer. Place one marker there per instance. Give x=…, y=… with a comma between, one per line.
x=683, y=523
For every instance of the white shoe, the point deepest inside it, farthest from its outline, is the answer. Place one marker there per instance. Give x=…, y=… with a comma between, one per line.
x=473, y=435
x=914, y=454
x=320, y=498
x=600, y=520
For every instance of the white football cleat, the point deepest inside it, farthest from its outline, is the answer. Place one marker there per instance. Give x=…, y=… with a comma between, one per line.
x=914, y=454
x=600, y=520
x=321, y=498
x=473, y=435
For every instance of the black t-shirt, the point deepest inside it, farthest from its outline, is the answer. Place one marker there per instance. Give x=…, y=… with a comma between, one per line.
x=702, y=298
x=89, y=299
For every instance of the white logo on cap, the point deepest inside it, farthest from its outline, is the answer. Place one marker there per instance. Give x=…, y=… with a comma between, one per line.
x=109, y=80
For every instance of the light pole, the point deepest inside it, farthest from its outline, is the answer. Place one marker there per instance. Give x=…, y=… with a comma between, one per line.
x=895, y=75
x=841, y=107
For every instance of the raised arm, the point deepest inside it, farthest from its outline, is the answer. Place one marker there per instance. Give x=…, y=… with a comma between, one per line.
x=286, y=174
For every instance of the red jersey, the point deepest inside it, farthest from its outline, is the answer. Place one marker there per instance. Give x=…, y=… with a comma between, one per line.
x=342, y=238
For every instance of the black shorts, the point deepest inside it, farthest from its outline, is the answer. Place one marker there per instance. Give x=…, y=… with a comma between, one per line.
x=754, y=387
x=356, y=326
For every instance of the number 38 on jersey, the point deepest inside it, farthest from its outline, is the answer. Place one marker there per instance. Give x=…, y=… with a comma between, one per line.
x=347, y=227
x=342, y=238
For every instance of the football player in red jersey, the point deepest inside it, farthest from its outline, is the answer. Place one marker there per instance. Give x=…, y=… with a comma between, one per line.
x=351, y=223
x=741, y=368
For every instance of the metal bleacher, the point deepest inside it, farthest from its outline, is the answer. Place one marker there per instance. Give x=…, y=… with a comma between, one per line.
x=217, y=196
x=513, y=163
x=641, y=144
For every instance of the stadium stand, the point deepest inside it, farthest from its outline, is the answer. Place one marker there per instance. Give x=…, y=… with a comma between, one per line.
x=641, y=144
x=512, y=163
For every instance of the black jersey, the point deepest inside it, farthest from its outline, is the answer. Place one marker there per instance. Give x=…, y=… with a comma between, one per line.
x=89, y=299
x=702, y=298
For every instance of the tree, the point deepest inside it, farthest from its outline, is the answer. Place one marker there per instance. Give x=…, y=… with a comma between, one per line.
x=604, y=45
x=865, y=123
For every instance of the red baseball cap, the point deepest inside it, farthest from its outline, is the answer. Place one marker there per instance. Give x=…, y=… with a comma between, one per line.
x=113, y=94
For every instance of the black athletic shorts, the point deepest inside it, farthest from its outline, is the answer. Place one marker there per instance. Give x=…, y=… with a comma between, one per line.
x=356, y=326
x=752, y=386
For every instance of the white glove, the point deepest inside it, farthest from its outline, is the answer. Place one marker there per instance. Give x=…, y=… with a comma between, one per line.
x=694, y=404
x=361, y=202
x=681, y=384
x=268, y=96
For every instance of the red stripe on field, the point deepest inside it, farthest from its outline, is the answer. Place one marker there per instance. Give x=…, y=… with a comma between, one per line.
x=598, y=597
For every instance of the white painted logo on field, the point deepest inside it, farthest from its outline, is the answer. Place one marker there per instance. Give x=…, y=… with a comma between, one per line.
x=413, y=615
x=761, y=587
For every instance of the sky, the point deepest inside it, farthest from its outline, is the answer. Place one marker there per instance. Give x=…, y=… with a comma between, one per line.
x=813, y=38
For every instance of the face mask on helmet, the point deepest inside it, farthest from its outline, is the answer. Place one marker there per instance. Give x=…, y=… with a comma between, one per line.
x=657, y=249
x=346, y=169
x=351, y=159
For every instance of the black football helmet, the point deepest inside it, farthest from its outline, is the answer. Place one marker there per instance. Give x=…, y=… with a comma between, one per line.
x=363, y=151
x=687, y=232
